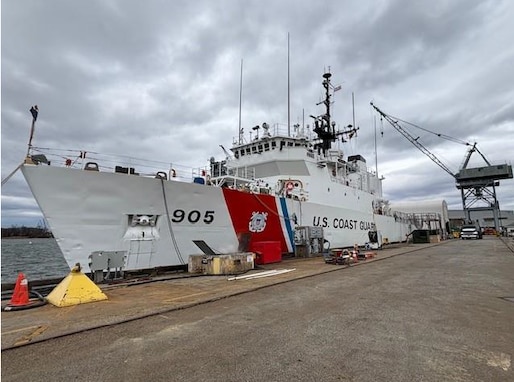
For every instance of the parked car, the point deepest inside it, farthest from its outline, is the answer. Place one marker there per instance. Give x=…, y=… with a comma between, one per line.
x=470, y=232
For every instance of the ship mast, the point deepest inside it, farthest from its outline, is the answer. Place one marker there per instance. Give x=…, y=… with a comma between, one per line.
x=239, y=130
x=323, y=125
x=288, y=93
x=326, y=84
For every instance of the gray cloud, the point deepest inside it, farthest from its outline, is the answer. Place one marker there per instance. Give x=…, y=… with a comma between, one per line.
x=160, y=79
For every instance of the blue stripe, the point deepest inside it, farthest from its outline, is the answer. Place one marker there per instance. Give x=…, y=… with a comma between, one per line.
x=287, y=221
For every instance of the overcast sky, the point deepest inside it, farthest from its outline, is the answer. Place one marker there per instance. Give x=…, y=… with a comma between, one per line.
x=160, y=79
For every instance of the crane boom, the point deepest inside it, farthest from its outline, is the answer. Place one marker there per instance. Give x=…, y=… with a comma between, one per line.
x=413, y=140
x=476, y=185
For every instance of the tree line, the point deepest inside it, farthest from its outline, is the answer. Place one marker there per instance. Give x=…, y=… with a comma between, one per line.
x=29, y=232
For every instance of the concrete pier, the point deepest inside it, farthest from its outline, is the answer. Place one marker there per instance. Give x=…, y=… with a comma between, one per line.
x=428, y=312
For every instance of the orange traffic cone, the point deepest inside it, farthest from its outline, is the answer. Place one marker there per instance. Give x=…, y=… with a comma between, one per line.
x=20, y=298
x=20, y=295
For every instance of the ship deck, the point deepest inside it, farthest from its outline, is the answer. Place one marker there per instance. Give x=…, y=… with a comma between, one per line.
x=160, y=295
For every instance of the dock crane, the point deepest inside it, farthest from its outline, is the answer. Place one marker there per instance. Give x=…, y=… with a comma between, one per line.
x=477, y=185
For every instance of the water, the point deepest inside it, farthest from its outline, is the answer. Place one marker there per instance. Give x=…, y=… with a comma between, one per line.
x=38, y=259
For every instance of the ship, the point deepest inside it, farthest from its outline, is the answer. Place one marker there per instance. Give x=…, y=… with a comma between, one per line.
x=270, y=188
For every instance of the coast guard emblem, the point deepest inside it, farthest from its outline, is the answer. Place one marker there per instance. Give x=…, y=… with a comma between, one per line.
x=257, y=221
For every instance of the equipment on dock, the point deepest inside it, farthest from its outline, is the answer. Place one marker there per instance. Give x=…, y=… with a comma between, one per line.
x=375, y=240
x=308, y=241
x=228, y=264
x=212, y=263
x=340, y=256
x=20, y=299
x=106, y=265
x=266, y=252
x=75, y=289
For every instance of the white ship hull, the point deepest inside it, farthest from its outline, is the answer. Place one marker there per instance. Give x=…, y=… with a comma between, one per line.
x=155, y=221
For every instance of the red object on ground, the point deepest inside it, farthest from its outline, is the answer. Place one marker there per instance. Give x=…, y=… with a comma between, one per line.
x=369, y=255
x=20, y=295
x=267, y=252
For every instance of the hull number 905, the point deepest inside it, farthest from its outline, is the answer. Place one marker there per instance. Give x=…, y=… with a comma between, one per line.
x=193, y=216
